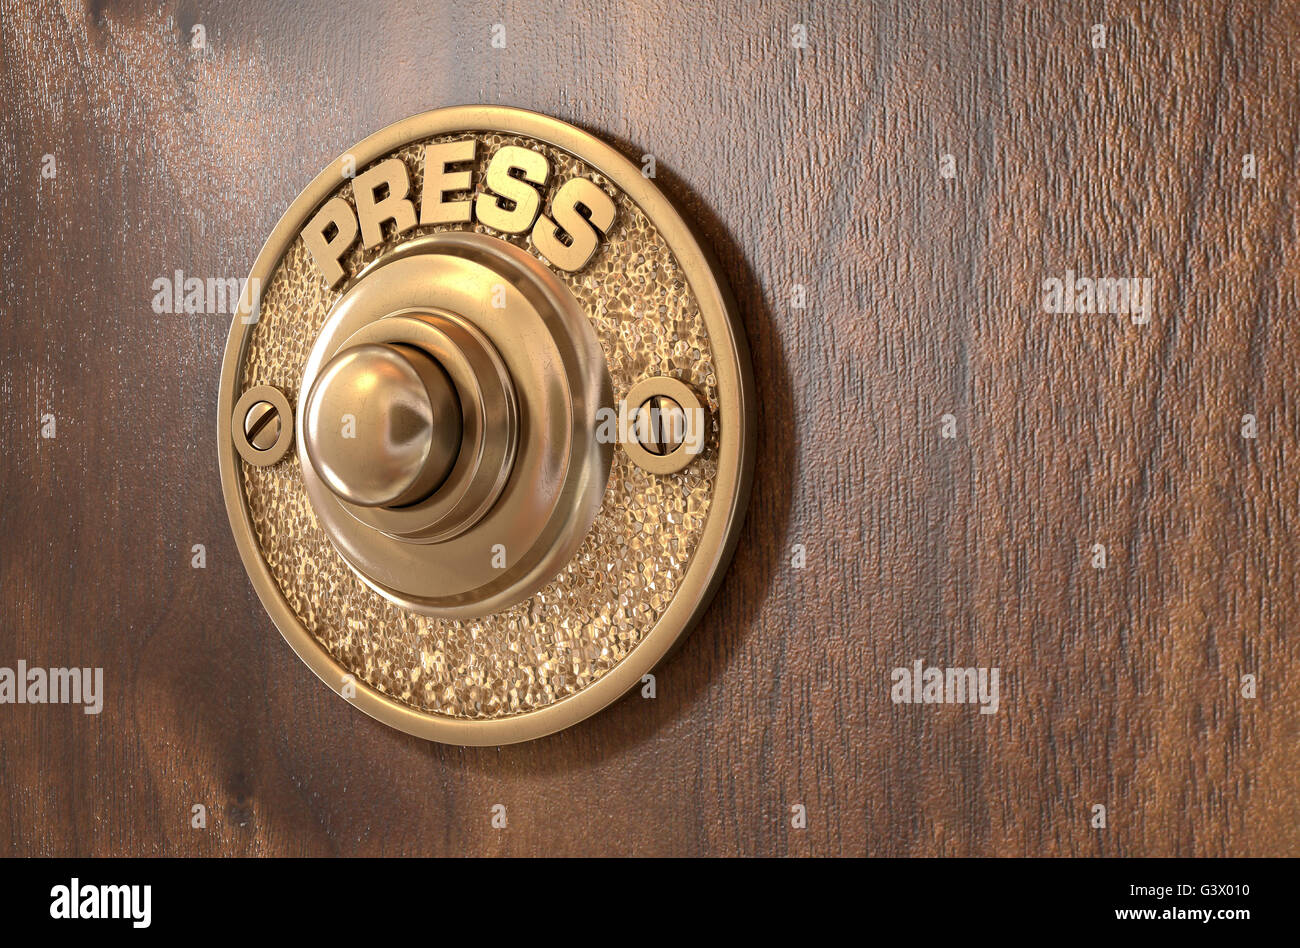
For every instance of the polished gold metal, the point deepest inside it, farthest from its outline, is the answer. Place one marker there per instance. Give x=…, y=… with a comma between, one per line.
x=489, y=425
x=645, y=444
x=383, y=425
x=476, y=545
x=531, y=580
x=262, y=425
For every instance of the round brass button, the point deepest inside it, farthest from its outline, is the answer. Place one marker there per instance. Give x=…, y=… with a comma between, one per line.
x=383, y=425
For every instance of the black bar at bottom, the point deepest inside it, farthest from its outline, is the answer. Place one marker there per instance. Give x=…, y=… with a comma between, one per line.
x=526, y=901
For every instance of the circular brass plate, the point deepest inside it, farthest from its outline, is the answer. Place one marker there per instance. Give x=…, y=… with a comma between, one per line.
x=657, y=546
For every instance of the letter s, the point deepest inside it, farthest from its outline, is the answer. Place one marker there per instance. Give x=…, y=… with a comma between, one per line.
x=578, y=195
x=533, y=167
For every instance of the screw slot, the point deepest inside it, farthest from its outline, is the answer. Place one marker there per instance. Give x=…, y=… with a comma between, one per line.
x=262, y=427
x=660, y=425
x=668, y=428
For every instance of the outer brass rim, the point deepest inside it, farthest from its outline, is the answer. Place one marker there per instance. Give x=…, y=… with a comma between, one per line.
x=737, y=415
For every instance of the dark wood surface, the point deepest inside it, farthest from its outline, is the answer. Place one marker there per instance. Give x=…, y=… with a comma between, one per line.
x=817, y=167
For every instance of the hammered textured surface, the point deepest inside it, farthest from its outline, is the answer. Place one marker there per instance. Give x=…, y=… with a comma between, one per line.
x=601, y=604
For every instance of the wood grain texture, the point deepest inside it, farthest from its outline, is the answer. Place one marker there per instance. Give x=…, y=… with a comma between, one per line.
x=816, y=167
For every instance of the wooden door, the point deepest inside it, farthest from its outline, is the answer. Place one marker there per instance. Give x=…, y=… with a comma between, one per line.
x=1101, y=505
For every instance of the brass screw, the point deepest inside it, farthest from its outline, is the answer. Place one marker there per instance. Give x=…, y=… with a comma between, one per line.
x=262, y=425
x=660, y=425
